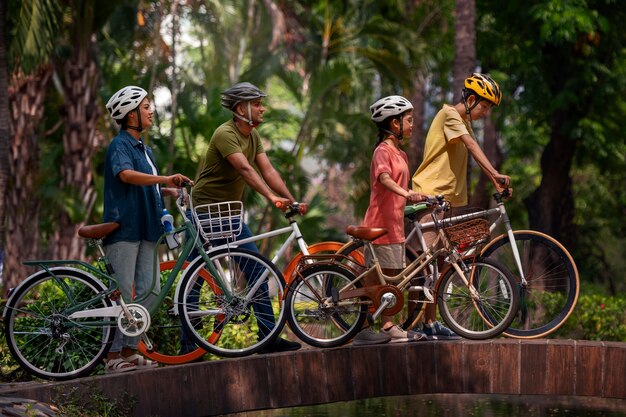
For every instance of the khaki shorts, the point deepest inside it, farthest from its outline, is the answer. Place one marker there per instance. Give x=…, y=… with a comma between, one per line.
x=390, y=256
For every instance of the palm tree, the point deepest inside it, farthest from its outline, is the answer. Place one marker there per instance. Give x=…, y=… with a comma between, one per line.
x=4, y=127
x=26, y=60
x=81, y=111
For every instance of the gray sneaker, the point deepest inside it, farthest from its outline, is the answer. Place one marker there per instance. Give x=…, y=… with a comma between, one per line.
x=368, y=337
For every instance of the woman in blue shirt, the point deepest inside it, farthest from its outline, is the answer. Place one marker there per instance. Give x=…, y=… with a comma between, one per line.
x=134, y=199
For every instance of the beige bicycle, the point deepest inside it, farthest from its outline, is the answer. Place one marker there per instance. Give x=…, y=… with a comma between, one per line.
x=478, y=297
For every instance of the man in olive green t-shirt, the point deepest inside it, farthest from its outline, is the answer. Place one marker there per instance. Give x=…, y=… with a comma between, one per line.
x=235, y=158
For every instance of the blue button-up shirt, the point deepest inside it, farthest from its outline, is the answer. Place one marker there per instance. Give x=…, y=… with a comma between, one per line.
x=137, y=208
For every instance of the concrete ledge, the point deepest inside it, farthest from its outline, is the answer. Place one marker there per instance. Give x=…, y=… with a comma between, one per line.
x=314, y=376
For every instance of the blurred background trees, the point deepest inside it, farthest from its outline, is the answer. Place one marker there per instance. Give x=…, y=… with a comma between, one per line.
x=323, y=62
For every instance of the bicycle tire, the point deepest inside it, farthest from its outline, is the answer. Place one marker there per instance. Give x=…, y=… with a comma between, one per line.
x=289, y=272
x=41, y=337
x=488, y=315
x=415, y=302
x=317, y=324
x=552, y=279
x=230, y=328
x=165, y=333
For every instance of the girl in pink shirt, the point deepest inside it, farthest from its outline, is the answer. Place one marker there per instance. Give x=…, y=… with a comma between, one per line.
x=389, y=193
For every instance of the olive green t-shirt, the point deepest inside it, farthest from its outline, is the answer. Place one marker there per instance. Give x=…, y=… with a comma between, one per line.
x=444, y=168
x=218, y=180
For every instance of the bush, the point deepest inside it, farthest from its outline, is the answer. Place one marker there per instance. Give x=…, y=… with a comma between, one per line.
x=596, y=317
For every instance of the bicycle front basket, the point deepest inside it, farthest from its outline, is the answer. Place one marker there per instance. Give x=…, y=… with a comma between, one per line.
x=219, y=220
x=469, y=233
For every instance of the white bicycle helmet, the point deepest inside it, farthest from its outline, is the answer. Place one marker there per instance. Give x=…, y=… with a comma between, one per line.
x=389, y=106
x=124, y=101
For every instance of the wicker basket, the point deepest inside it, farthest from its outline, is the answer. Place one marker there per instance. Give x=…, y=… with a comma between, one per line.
x=219, y=220
x=469, y=233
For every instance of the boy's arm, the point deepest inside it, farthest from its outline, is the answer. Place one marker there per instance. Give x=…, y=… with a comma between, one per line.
x=482, y=160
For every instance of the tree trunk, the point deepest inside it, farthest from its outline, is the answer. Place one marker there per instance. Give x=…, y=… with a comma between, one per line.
x=481, y=195
x=26, y=97
x=81, y=111
x=415, y=150
x=551, y=206
x=4, y=129
x=464, y=52
x=465, y=43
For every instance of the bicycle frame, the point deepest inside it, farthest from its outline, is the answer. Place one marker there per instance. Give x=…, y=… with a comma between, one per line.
x=403, y=279
x=190, y=243
x=294, y=234
x=502, y=218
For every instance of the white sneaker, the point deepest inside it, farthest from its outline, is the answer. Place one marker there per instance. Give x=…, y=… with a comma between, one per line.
x=396, y=334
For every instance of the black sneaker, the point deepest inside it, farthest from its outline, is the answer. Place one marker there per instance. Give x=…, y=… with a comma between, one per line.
x=281, y=345
x=437, y=331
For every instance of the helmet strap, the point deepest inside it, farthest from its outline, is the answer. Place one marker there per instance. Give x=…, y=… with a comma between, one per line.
x=468, y=109
x=400, y=135
x=138, y=128
x=247, y=120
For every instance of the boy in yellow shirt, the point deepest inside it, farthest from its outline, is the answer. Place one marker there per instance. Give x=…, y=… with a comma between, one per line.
x=444, y=168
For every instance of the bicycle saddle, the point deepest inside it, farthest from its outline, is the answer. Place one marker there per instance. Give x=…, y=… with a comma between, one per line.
x=97, y=231
x=366, y=233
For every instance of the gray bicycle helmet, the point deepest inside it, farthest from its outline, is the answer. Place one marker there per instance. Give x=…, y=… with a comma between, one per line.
x=124, y=101
x=240, y=92
x=389, y=106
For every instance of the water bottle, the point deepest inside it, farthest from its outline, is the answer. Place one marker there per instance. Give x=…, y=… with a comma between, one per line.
x=168, y=226
x=167, y=221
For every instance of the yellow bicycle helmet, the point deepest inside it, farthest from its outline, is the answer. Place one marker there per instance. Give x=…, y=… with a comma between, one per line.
x=484, y=86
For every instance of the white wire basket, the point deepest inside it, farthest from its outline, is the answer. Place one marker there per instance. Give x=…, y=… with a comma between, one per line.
x=219, y=220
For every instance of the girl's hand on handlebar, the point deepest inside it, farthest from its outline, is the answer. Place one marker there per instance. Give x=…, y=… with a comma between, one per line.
x=415, y=197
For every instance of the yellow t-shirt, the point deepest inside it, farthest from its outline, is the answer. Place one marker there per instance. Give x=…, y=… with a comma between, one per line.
x=444, y=168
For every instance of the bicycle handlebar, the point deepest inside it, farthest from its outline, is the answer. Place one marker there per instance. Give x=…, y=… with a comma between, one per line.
x=292, y=210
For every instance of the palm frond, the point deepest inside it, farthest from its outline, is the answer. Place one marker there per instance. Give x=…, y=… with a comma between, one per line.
x=34, y=32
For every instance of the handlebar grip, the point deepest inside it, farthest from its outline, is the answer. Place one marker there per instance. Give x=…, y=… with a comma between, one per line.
x=501, y=181
x=279, y=204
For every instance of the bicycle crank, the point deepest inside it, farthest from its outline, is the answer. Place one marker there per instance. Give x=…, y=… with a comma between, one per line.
x=136, y=323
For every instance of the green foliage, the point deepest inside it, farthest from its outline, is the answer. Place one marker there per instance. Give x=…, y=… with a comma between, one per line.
x=596, y=317
x=562, y=66
x=74, y=403
x=34, y=25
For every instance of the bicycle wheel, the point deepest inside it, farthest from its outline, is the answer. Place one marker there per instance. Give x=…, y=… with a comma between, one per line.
x=484, y=308
x=311, y=312
x=41, y=337
x=239, y=324
x=415, y=301
x=553, y=284
x=169, y=344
